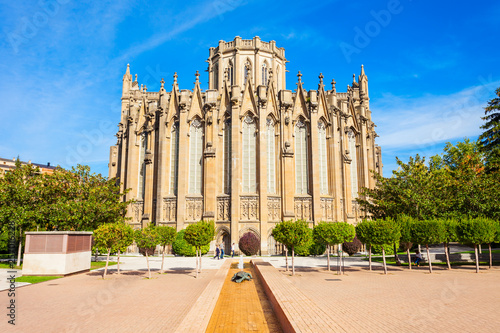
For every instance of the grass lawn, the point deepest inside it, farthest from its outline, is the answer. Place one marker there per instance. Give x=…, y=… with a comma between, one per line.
x=101, y=264
x=483, y=250
x=36, y=279
x=6, y=265
x=391, y=261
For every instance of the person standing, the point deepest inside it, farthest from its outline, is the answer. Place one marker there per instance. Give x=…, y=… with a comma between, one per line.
x=222, y=251
x=217, y=252
x=232, y=251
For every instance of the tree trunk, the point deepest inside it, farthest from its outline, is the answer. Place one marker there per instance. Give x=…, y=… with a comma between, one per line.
x=409, y=258
x=328, y=254
x=196, y=251
x=477, y=258
x=20, y=247
x=162, y=259
x=447, y=255
x=118, y=263
x=199, y=250
x=398, y=262
x=429, y=258
x=370, y=257
x=383, y=258
x=147, y=261
x=491, y=257
x=286, y=258
x=293, y=264
x=107, y=261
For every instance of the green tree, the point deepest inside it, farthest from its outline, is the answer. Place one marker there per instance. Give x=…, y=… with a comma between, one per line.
x=384, y=232
x=125, y=239
x=333, y=233
x=81, y=200
x=20, y=200
x=450, y=235
x=364, y=233
x=166, y=236
x=405, y=223
x=428, y=232
x=112, y=237
x=490, y=138
x=413, y=190
x=183, y=248
x=199, y=234
x=292, y=234
x=475, y=231
x=146, y=240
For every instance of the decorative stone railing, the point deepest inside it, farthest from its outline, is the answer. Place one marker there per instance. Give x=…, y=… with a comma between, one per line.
x=326, y=206
x=249, y=207
x=303, y=208
x=224, y=208
x=194, y=208
x=169, y=209
x=274, y=209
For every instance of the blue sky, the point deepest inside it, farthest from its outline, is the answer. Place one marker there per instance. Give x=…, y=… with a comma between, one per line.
x=432, y=65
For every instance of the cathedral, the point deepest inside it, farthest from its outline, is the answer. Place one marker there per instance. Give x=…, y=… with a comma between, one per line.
x=247, y=153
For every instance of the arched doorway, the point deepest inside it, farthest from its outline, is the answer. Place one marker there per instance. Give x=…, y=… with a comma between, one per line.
x=273, y=247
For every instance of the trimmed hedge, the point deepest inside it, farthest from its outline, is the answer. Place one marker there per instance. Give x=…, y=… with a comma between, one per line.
x=352, y=247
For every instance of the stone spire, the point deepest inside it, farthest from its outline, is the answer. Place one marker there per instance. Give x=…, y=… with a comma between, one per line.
x=162, y=84
x=320, y=85
x=197, y=77
x=128, y=70
x=334, y=90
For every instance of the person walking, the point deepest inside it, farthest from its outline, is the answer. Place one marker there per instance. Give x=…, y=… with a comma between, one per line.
x=222, y=252
x=232, y=251
x=217, y=252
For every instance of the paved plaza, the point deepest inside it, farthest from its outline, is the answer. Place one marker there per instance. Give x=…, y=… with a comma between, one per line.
x=358, y=301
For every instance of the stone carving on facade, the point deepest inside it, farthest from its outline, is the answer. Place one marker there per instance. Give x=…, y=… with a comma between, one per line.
x=223, y=208
x=137, y=210
x=274, y=208
x=194, y=209
x=169, y=209
x=326, y=206
x=249, y=207
x=303, y=208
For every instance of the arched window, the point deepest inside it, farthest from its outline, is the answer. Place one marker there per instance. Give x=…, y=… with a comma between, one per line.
x=264, y=74
x=354, y=163
x=278, y=78
x=246, y=72
x=323, y=169
x=195, y=156
x=174, y=158
x=271, y=157
x=249, y=158
x=143, y=145
x=216, y=76
x=301, y=159
x=227, y=156
x=230, y=73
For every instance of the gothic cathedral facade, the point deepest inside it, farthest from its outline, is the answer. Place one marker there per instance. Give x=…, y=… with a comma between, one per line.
x=247, y=153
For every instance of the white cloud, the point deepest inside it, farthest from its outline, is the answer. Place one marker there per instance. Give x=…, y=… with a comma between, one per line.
x=404, y=122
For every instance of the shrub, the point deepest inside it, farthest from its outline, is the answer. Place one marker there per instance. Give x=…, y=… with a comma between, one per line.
x=352, y=247
x=249, y=244
x=182, y=248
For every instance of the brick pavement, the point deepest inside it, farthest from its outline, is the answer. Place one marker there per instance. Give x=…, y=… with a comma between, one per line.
x=125, y=303
x=243, y=307
x=402, y=301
